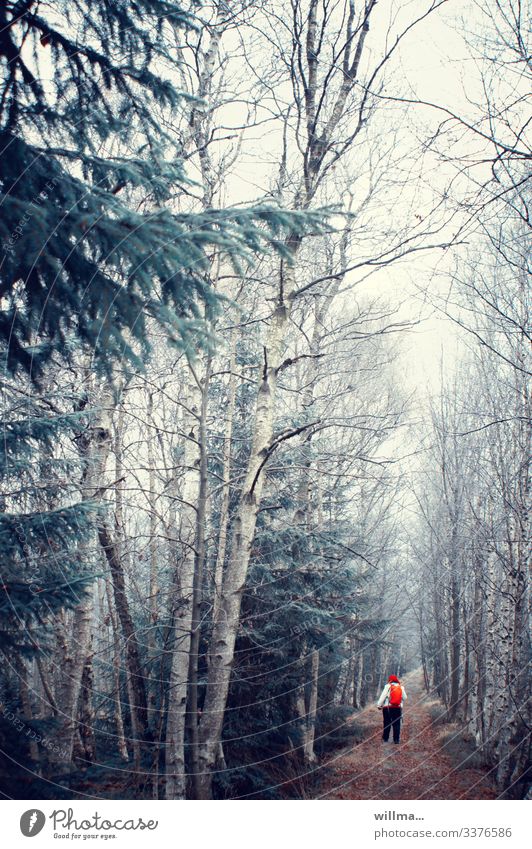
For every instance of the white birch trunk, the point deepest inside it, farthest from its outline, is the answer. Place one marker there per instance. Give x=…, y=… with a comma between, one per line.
x=95, y=447
x=183, y=602
x=310, y=727
x=227, y=619
x=226, y=473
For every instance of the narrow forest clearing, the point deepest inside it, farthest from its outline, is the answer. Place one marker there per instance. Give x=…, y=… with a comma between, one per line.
x=418, y=768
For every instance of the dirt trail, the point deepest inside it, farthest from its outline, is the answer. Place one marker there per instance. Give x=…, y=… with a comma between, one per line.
x=417, y=768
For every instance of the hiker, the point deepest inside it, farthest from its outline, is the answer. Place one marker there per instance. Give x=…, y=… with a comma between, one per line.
x=391, y=703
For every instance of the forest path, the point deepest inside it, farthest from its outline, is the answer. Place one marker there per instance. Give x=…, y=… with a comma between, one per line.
x=417, y=768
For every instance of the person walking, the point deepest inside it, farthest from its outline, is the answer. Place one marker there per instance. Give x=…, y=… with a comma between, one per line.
x=391, y=702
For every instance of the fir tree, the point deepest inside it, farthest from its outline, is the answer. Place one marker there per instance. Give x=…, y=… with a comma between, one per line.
x=92, y=245
x=44, y=527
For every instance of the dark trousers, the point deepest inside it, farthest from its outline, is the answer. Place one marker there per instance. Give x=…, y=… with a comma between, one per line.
x=391, y=717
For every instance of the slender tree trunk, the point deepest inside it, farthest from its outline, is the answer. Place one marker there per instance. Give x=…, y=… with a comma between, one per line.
x=117, y=691
x=199, y=568
x=465, y=689
x=86, y=713
x=27, y=710
x=228, y=615
x=357, y=675
x=310, y=727
x=153, y=590
x=226, y=475
x=94, y=445
x=139, y=707
x=455, y=644
x=75, y=650
x=346, y=694
x=176, y=785
x=51, y=703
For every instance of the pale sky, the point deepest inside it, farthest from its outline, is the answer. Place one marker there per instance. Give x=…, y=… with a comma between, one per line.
x=433, y=65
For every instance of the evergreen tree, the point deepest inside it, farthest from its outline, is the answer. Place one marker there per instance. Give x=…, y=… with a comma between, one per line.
x=92, y=245
x=44, y=527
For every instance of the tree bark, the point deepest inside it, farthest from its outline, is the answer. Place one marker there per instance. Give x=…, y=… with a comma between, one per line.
x=226, y=487
x=139, y=707
x=183, y=600
x=227, y=620
x=310, y=727
x=197, y=592
x=117, y=695
x=86, y=713
x=94, y=445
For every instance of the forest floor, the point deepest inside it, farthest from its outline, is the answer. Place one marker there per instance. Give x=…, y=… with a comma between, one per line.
x=434, y=760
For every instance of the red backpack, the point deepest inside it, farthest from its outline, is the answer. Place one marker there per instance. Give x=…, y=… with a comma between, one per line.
x=396, y=695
